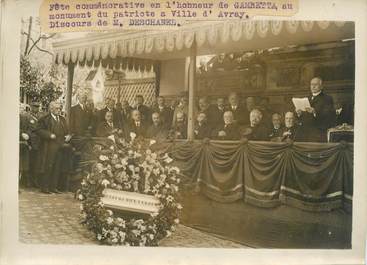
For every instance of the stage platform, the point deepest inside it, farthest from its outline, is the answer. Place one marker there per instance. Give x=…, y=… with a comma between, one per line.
x=279, y=227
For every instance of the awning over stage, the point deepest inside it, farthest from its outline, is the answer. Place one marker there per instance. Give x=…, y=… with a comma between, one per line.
x=209, y=37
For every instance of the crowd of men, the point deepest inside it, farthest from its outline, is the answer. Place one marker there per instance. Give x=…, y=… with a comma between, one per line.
x=47, y=138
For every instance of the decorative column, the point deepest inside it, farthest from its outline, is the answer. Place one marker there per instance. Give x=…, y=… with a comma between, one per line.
x=192, y=88
x=69, y=91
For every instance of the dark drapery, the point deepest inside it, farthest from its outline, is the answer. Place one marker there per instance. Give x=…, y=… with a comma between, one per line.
x=309, y=176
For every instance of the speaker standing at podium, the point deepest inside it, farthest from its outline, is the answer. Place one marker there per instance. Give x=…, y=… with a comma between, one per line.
x=316, y=119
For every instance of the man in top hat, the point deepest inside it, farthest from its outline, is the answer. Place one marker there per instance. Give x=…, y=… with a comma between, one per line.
x=143, y=109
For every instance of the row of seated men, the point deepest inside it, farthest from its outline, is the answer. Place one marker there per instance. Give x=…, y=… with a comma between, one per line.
x=121, y=119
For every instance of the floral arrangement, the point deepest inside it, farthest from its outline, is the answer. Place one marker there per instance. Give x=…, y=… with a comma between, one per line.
x=133, y=167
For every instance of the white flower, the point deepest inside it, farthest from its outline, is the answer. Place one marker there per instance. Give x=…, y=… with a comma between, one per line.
x=137, y=169
x=154, y=156
x=152, y=142
x=100, y=167
x=112, y=148
x=130, y=153
x=168, y=233
x=154, y=214
x=105, y=182
x=131, y=167
x=118, y=166
x=122, y=236
x=168, y=160
x=115, y=240
x=110, y=212
x=179, y=206
x=101, y=204
x=132, y=135
x=169, y=198
x=81, y=207
x=151, y=236
x=177, y=221
x=80, y=197
x=148, y=151
x=112, y=137
x=103, y=158
x=109, y=220
x=99, y=237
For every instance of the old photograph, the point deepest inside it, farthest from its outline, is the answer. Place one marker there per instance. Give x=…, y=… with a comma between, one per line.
x=232, y=134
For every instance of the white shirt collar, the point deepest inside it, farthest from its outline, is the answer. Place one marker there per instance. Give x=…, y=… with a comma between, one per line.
x=316, y=94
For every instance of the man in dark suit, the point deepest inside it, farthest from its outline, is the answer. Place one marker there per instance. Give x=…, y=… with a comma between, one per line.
x=165, y=113
x=179, y=129
x=34, y=140
x=55, y=137
x=143, y=109
x=320, y=116
x=110, y=106
x=136, y=126
x=240, y=113
x=157, y=130
x=107, y=127
x=344, y=114
x=124, y=110
x=276, y=131
x=291, y=130
x=229, y=130
x=92, y=115
x=79, y=119
x=256, y=131
x=202, y=129
x=215, y=116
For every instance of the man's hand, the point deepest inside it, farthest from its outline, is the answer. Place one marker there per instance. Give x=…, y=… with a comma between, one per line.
x=25, y=136
x=114, y=130
x=67, y=138
x=310, y=110
x=287, y=133
x=52, y=136
x=299, y=112
x=222, y=133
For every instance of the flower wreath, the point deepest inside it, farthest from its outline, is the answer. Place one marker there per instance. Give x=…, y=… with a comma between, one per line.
x=130, y=166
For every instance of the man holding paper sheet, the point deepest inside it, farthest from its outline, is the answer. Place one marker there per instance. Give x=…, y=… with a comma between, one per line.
x=316, y=115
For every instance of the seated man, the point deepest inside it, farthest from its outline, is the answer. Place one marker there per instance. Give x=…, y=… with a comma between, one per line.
x=157, y=130
x=276, y=132
x=291, y=129
x=179, y=129
x=256, y=131
x=164, y=112
x=107, y=127
x=202, y=129
x=136, y=125
x=229, y=130
x=216, y=113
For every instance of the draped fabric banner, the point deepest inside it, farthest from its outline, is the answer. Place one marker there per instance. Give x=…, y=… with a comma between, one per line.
x=309, y=176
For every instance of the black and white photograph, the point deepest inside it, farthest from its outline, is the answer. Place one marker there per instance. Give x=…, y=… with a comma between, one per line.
x=218, y=134
x=232, y=134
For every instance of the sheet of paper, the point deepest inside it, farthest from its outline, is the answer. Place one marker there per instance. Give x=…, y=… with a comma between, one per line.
x=301, y=103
